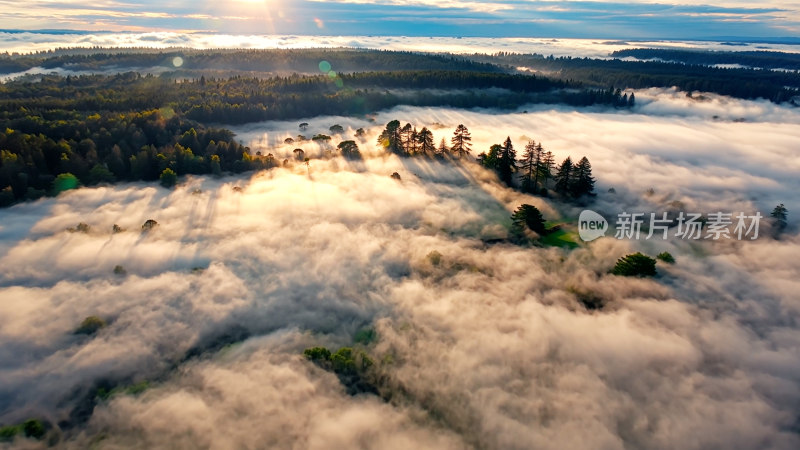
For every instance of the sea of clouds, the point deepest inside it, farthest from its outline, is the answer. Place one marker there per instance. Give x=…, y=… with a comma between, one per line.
x=491, y=348
x=25, y=42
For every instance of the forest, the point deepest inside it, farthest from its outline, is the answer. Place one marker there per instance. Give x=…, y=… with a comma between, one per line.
x=743, y=83
x=754, y=59
x=59, y=131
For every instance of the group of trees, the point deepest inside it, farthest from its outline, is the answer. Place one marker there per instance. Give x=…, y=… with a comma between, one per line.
x=47, y=152
x=537, y=170
x=687, y=72
x=407, y=141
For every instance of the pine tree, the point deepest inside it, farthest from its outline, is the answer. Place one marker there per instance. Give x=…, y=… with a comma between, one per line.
x=564, y=177
x=583, y=182
x=527, y=217
x=491, y=160
x=406, y=138
x=443, y=150
x=390, y=137
x=507, y=163
x=546, y=165
x=529, y=167
x=426, y=145
x=461, y=141
x=632, y=100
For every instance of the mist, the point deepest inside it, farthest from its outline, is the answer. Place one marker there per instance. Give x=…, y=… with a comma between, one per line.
x=490, y=348
x=25, y=42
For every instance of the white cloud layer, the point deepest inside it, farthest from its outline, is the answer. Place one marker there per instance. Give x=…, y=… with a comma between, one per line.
x=489, y=349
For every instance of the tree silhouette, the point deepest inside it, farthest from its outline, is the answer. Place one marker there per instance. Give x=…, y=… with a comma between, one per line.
x=349, y=150
x=390, y=137
x=461, y=143
x=635, y=265
x=564, y=177
x=426, y=145
x=507, y=162
x=582, y=180
x=527, y=217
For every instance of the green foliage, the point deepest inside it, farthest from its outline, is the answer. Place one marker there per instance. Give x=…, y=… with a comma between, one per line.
x=666, y=257
x=317, y=354
x=90, y=325
x=336, y=129
x=119, y=270
x=435, y=258
x=8, y=432
x=635, y=265
x=100, y=174
x=33, y=428
x=168, y=178
x=366, y=336
x=527, y=217
x=65, y=182
x=780, y=216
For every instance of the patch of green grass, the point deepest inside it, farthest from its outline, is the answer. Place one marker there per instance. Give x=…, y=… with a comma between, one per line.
x=561, y=238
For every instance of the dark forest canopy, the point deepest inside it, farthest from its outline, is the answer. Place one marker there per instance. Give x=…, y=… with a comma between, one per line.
x=743, y=83
x=256, y=60
x=754, y=59
x=688, y=70
x=238, y=100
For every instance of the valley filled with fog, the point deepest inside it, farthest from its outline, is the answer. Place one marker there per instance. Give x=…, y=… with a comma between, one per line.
x=477, y=342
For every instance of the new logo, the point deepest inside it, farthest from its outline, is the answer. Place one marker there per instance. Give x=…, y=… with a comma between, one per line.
x=591, y=225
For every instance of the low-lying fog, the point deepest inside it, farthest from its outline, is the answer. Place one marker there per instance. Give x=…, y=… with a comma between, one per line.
x=490, y=348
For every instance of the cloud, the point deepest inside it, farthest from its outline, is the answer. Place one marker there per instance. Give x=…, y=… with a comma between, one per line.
x=490, y=348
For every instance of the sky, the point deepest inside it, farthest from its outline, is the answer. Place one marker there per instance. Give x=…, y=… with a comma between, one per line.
x=643, y=19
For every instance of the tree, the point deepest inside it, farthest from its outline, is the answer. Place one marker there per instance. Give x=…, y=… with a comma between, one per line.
x=336, y=129
x=666, y=257
x=443, y=150
x=507, y=162
x=150, y=224
x=360, y=133
x=527, y=217
x=635, y=265
x=100, y=174
x=303, y=126
x=461, y=141
x=490, y=160
x=425, y=139
x=531, y=160
x=546, y=166
x=216, y=168
x=168, y=178
x=65, y=182
x=299, y=154
x=406, y=138
x=90, y=325
x=390, y=137
x=349, y=150
x=582, y=180
x=564, y=177
x=780, y=215
x=632, y=100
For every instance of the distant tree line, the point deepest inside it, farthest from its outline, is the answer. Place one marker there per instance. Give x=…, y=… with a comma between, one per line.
x=743, y=83
x=754, y=59
x=237, y=100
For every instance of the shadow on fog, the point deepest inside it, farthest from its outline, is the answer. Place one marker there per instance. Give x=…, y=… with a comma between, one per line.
x=449, y=178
